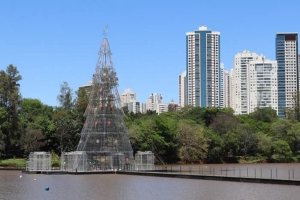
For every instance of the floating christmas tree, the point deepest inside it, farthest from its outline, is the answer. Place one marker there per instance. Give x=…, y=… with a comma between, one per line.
x=104, y=136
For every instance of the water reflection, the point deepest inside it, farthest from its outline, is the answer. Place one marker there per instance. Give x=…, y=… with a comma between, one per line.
x=127, y=187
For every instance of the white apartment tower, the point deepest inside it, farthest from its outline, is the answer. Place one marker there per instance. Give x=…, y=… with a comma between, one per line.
x=240, y=87
x=262, y=78
x=221, y=93
x=127, y=97
x=203, y=67
x=154, y=102
x=182, y=89
x=231, y=88
x=226, y=90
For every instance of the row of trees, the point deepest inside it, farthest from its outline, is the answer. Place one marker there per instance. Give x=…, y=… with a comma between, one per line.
x=28, y=125
x=190, y=135
x=214, y=135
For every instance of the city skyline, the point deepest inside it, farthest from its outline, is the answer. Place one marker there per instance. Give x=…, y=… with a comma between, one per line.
x=49, y=48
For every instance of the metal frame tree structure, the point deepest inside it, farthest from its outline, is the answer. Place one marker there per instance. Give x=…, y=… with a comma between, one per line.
x=104, y=136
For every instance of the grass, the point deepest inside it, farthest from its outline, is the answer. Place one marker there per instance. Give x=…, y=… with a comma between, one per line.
x=18, y=162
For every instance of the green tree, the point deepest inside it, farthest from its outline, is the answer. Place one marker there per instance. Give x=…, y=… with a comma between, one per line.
x=216, y=147
x=193, y=144
x=264, y=114
x=67, y=132
x=65, y=97
x=248, y=140
x=282, y=148
x=10, y=99
x=231, y=143
x=280, y=128
x=35, y=115
x=223, y=123
x=293, y=137
x=33, y=140
x=81, y=104
x=264, y=144
x=194, y=113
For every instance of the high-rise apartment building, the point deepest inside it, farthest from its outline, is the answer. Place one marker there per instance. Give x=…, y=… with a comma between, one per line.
x=262, y=78
x=231, y=88
x=127, y=97
x=221, y=91
x=203, y=67
x=240, y=83
x=182, y=89
x=226, y=90
x=288, y=70
x=154, y=103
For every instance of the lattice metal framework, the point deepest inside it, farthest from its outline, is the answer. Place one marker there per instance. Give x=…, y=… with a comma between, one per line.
x=104, y=136
x=39, y=161
x=144, y=160
x=72, y=161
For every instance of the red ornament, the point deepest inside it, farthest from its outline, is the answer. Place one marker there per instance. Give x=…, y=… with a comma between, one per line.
x=108, y=122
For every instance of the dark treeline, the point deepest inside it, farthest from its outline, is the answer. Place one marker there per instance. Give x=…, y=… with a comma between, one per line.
x=191, y=135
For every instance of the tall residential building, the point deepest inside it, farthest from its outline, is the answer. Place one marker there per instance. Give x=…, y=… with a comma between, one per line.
x=262, y=78
x=127, y=97
x=134, y=107
x=240, y=88
x=154, y=102
x=226, y=90
x=288, y=72
x=203, y=67
x=182, y=89
x=221, y=93
x=231, y=88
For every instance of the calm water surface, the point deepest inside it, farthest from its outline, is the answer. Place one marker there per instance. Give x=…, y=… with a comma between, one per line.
x=126, y=187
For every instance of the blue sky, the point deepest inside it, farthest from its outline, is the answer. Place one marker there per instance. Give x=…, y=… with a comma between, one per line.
x=55, y=41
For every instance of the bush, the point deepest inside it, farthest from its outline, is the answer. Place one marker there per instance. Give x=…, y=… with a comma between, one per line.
x=55, y=159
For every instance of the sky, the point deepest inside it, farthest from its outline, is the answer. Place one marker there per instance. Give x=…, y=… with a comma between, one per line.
x=55, y=41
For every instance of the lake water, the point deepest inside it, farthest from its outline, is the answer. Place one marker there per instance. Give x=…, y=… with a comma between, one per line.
x=127, y=187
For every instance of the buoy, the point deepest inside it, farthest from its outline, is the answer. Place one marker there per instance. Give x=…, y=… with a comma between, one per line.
x=47, y=188
x=20, y=176
x=34, y=179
